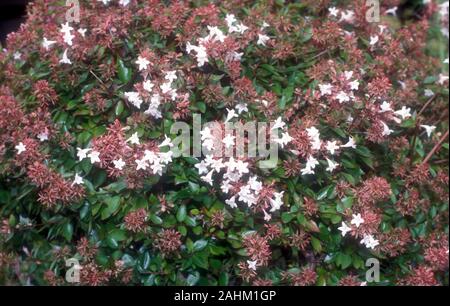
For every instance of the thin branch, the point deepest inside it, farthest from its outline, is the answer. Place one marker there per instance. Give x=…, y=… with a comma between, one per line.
x=426, y=105
x=435, y=148
x=319, y=54
x=100, y=80
x=416, y=127
x=413, y=144
x=439, y=162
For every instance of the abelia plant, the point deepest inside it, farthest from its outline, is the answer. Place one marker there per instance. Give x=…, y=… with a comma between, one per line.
x=92, y=171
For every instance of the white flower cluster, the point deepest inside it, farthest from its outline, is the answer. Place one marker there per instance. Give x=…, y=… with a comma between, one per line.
x=94, y=156
x=341, y=96
x=216, y=34
x=201, y=54
x=154, y=101
x=368, y=240
x=232, y=172
x=443, y=11
x=66, y=29
x=263, y=38
x=316, y=144
x=234, y=25
x=20, y=148
x=47, y=43
x=385, y=107
x=68, y=37
x=403, y=113
x=156, y=161
x=121, y=2
x=346, y=16
x=134, y=98
x=285, y=137
x=153, y=160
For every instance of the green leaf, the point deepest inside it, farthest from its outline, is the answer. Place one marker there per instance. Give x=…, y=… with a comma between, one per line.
x=119, y=108
x=181, y=213
x=145, y=261
x=118, y=235
x=343, y=260
x=363, y=151
x=182, y=229
x=339, y=132
x=123, y=72
x=282, y=103
x=224, y=279
x=347, y=201
x=112, y=243
x=430, y=79
x=67, y=231
x=84, y=210
x=200, y=245
x=358, y=263
x=201, y=107
x=116, y=186
x=324, y=192
x=112, y=205
x=269, y=68
x=317, y=246
x=192, y=279
x=286, y=217
x=200, y=260
x=307, y=34
x=156, y=219
x=189, y=221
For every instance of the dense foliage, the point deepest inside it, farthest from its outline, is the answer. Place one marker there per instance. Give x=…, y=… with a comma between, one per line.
x=87, y=171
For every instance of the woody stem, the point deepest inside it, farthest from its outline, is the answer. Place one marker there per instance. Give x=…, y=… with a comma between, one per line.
x=435, y=148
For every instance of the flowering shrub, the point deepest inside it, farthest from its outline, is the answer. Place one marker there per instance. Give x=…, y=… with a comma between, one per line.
x=90, y=169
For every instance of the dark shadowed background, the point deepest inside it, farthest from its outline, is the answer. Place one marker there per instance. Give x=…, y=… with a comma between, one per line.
x=11, y=15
